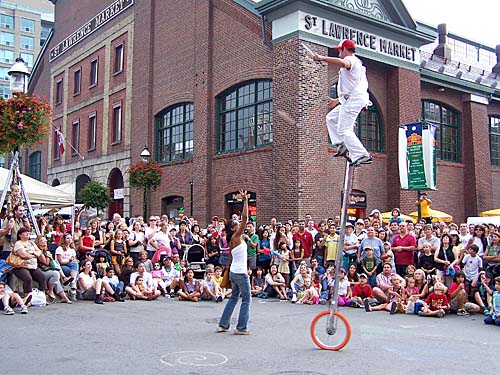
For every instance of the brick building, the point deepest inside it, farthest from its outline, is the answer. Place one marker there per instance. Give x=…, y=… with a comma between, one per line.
x=225, y=97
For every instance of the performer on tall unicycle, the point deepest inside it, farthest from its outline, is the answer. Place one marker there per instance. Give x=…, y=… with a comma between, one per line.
x=353, y=97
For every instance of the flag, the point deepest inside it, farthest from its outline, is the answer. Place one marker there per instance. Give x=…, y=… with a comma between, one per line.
x=60, y=141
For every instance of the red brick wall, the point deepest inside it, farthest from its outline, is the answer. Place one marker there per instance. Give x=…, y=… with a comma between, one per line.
x=117, y=98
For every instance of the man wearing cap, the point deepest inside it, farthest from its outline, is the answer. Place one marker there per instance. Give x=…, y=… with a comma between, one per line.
x=351, y=245
x=352, y=98
x=359, y=230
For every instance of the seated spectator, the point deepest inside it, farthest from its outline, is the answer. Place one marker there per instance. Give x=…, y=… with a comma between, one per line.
x=147, y=282
x=436, y=303
x=226, y=292
x=91, y=287
x=213, y=251
x=483, y=291
x=158, y=282
x=492, y=255
x=383, y=283
x=8, y=300
x=345, y=291
x=310, y=296
x=458, y=296
x=102, y=265
x=421, y=283
x=210, y=290
x=143, y=258
x=494, y=315
x=30, y=254
x=127, y=270
x=141, y=290
x=395, y=297
x=362, y=292
x=170, y=275
x=352, y=275
x=257, y=282
x=298, y=281
x=190, y=287
x=66, y=256
x=275, y=283
x=113, y=281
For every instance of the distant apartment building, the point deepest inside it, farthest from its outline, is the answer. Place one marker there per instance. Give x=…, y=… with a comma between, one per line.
x=24, y=28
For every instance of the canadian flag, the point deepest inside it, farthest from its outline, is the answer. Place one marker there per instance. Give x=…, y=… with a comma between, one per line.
x=60, y=141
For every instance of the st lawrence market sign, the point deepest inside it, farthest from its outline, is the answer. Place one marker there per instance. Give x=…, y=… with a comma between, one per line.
x=89, y=27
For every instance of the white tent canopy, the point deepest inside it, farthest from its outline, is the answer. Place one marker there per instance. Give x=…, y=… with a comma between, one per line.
x=40, y=193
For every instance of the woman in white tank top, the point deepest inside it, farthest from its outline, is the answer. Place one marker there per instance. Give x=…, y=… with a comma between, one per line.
x=240, y=282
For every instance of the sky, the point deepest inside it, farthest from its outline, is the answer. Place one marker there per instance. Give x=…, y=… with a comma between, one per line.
x=476, y=20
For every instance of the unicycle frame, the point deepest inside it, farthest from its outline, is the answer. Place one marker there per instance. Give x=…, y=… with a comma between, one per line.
x=333, y=305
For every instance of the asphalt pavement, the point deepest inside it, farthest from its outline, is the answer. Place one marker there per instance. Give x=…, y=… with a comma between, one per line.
x=172, y=337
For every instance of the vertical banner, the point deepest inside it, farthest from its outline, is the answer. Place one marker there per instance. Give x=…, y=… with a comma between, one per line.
x=417, y=156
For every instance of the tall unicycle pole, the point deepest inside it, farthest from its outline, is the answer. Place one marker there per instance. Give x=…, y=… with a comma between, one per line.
x=330, y=330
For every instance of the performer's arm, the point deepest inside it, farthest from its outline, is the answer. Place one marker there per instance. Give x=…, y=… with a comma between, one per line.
x=341, y=63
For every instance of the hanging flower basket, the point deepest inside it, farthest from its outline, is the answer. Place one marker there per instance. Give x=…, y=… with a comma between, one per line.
x=145, y=175
x=24, y=121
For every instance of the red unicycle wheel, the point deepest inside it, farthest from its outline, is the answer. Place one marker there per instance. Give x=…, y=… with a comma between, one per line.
x=330, y=332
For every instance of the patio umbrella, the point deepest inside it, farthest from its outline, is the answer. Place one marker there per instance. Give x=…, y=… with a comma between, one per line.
x=387, y=215
x=495, y=212
x=437, y=216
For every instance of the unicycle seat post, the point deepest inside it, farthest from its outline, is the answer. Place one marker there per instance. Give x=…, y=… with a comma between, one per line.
x=343, y=221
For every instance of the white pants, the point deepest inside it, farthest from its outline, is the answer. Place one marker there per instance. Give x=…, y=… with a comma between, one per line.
x=340, y=122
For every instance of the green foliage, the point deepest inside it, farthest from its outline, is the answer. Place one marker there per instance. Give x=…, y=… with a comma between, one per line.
x=96, y=195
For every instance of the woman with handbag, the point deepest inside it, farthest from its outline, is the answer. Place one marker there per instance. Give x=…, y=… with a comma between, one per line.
x=447, y=259
x=240, y=282
x=28, y=271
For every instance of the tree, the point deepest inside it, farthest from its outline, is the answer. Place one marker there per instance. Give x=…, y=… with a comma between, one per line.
x=145, y=176
x=96, y=195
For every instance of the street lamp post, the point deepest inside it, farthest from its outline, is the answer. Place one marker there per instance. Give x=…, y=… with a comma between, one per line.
x=191, y=199
x=145, y=155
x=19, y=75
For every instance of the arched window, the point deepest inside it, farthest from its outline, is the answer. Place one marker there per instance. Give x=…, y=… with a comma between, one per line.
x=245, y=116
x=495, y=140
x=35, y=166
x=447, y=123
x=369, y=125
x=174, y=133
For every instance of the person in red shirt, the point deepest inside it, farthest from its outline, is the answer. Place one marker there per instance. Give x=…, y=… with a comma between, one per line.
x=436, y=303
x=306, y=239
x=362, y=293
x=458, y=296
x=403, y=245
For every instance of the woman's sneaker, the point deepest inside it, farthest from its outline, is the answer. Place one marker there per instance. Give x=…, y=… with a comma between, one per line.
x=24, y=309
x=7, y=310
x=462, y=312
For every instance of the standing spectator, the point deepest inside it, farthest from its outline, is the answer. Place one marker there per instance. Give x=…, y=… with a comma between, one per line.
x=252, y=241
x=446, y=259
x=185, y=237
x=359, y=230
x=263, y=259
x=351, y=246
x=306, y=239
x=428, y=238
x=319, y=243
x=136, y=241
x=311, y=229
x=403, y=246
x=96, y=232
x=494, y=315
x=472, y=265
x=151, y=230
x=373, y=242
x=425, y=207
x=393, y=230
x=332, y=244
x=492, y=254
x=479, y=238
x=213, y=250
x=464, y=235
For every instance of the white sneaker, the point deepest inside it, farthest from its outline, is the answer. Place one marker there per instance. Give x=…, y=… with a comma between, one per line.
x=294, y=298
x=8, y=310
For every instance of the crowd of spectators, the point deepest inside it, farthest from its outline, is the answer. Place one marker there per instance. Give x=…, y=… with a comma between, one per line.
x=398, y=266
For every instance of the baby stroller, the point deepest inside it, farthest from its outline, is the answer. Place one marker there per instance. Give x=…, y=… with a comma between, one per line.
x=195, y=259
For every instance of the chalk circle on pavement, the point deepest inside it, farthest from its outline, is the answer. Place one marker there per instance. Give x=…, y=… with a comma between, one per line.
x=192, y=358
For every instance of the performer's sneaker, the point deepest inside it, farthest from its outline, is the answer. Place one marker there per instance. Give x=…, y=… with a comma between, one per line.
x=341, y=150
x=367, y=159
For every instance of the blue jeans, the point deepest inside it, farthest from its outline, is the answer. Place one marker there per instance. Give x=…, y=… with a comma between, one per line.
x=491, y=320
x=240, y=285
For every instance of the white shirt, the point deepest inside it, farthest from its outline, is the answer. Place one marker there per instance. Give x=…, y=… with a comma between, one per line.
x=162, y=239
x=353, y=81
x=67, y=254
x=147, y=233
x=472, y=266
x=239, y=264
x=465, y=239
x=147, y=279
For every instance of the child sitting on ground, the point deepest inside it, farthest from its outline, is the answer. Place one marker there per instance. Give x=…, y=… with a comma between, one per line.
x=436, y=303
x=459, y=298
x=142, y=291
x=411, y=293
x=190, y=287
x=311, y=296
x=362, y=292
x=345, y=291
x=494, y=315
x=102, y=264
x=8, y=300
x=484, y=291
x=257, y=283
x=225, y=292
x=395, y=295
x=157, y=274
x=210, y=290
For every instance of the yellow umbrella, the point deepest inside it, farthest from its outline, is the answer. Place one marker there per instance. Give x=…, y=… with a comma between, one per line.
x=437, y=216
x=387, y=215
x=495, y=212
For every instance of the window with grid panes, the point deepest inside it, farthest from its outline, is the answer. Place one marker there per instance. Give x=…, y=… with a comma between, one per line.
x=368, y=125
x=495, y=140
x=27, y=25
x=447, y=122
x=6, y=39
x=245, y=116
x=6, y=21
x=174, y=133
